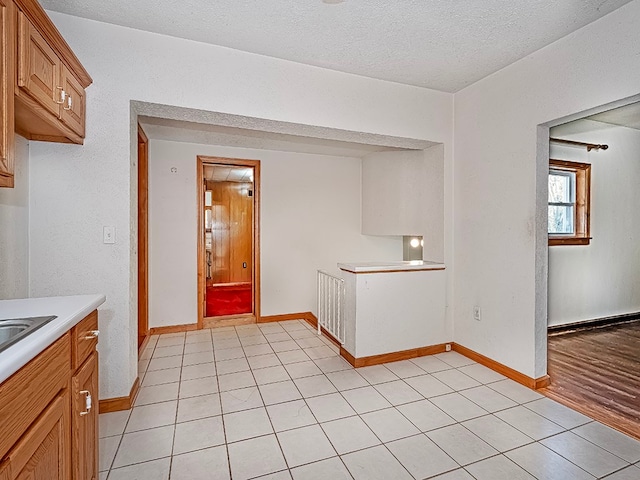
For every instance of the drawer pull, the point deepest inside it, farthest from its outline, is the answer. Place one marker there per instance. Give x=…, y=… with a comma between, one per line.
x=62, y=96
x=68, y=107
x=91, y=334
x=87, y=402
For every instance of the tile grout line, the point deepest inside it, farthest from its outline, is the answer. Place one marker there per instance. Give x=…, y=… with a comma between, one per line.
x=224, y=427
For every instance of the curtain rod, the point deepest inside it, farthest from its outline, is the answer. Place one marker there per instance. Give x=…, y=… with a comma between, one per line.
x=590, y=146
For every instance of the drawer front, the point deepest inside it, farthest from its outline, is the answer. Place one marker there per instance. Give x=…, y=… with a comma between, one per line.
x=25, y=394
x=84, y=339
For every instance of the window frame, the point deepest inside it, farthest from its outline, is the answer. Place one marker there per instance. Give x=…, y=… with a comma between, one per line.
x=581, y=204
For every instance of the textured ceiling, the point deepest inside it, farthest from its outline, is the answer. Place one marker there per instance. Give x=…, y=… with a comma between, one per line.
x=440, y=44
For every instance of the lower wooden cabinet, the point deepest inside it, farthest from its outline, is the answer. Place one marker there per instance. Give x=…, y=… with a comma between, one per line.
x=49, y=411
x=84, y=424
x=42, y=453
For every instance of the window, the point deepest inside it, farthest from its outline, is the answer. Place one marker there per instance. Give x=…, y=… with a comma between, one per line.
x=569, y=203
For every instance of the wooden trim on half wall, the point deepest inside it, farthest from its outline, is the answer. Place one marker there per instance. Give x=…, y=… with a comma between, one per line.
x=120, y=403
x=534, y=383
x=255, y=279
x=286, y=317
x=392, y=356
x=508, y=372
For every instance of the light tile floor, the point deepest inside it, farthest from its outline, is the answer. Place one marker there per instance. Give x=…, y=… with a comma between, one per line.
x=275, y=401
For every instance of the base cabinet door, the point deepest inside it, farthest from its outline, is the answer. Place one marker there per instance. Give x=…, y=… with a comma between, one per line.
x=84, y=449
x=43, y=452
x=5, y=474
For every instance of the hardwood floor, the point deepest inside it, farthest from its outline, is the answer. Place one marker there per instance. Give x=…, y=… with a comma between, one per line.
x=597, y=372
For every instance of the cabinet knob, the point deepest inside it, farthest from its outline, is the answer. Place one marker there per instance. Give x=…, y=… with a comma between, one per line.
x=87, y=402
x=68, y=107
x=91, y=334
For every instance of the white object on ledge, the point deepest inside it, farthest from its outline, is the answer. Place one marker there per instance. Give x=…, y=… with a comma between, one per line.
x=69, y=310
x=373, y=267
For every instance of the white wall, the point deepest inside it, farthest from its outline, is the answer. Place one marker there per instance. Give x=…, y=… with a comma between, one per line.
x=393, y=312
x=94, y=183
x=393, y=196
x=14, y=228
x=601, y=279
x=500, y=189
x=403, y=194
x=310, y=220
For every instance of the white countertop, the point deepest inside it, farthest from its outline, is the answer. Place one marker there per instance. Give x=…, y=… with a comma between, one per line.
x=378, y=267
x=69, y=310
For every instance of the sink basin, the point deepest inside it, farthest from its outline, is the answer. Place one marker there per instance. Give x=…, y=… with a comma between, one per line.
x=13, y=330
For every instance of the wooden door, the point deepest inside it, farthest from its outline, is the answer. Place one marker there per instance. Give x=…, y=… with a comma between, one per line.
x=38, y=67
x=73, y=108
x=84, y=424
x=241, y=234
x=232, y=235
x=43, y=452
x=220, y=245
x=6, y=93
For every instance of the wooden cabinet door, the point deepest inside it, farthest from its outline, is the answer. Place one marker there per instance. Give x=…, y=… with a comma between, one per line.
x=38, y=67
x=6, y=93
x=84, y=448
x=43, y=452
x=5, y=473
x=73, y=110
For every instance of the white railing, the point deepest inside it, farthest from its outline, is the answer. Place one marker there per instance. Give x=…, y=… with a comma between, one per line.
x=331, y=305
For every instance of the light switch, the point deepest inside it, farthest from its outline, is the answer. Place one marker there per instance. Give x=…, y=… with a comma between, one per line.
x=109, y=234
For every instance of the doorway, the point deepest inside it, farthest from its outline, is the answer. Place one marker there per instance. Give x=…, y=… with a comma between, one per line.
x=228, y=241
x=593, y=305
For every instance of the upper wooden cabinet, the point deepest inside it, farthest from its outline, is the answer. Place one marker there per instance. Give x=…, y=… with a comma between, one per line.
x=7, y=65
x=50, y=98
x=42, y=82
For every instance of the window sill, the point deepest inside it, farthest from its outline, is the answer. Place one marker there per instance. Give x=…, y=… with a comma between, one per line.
x=554, y=241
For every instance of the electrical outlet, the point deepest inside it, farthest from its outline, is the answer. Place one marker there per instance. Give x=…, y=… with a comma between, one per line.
x=447, y=347
x=477, y=316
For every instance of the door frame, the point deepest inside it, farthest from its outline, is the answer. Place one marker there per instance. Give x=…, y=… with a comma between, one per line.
x=143, y=238
x=255, y=250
